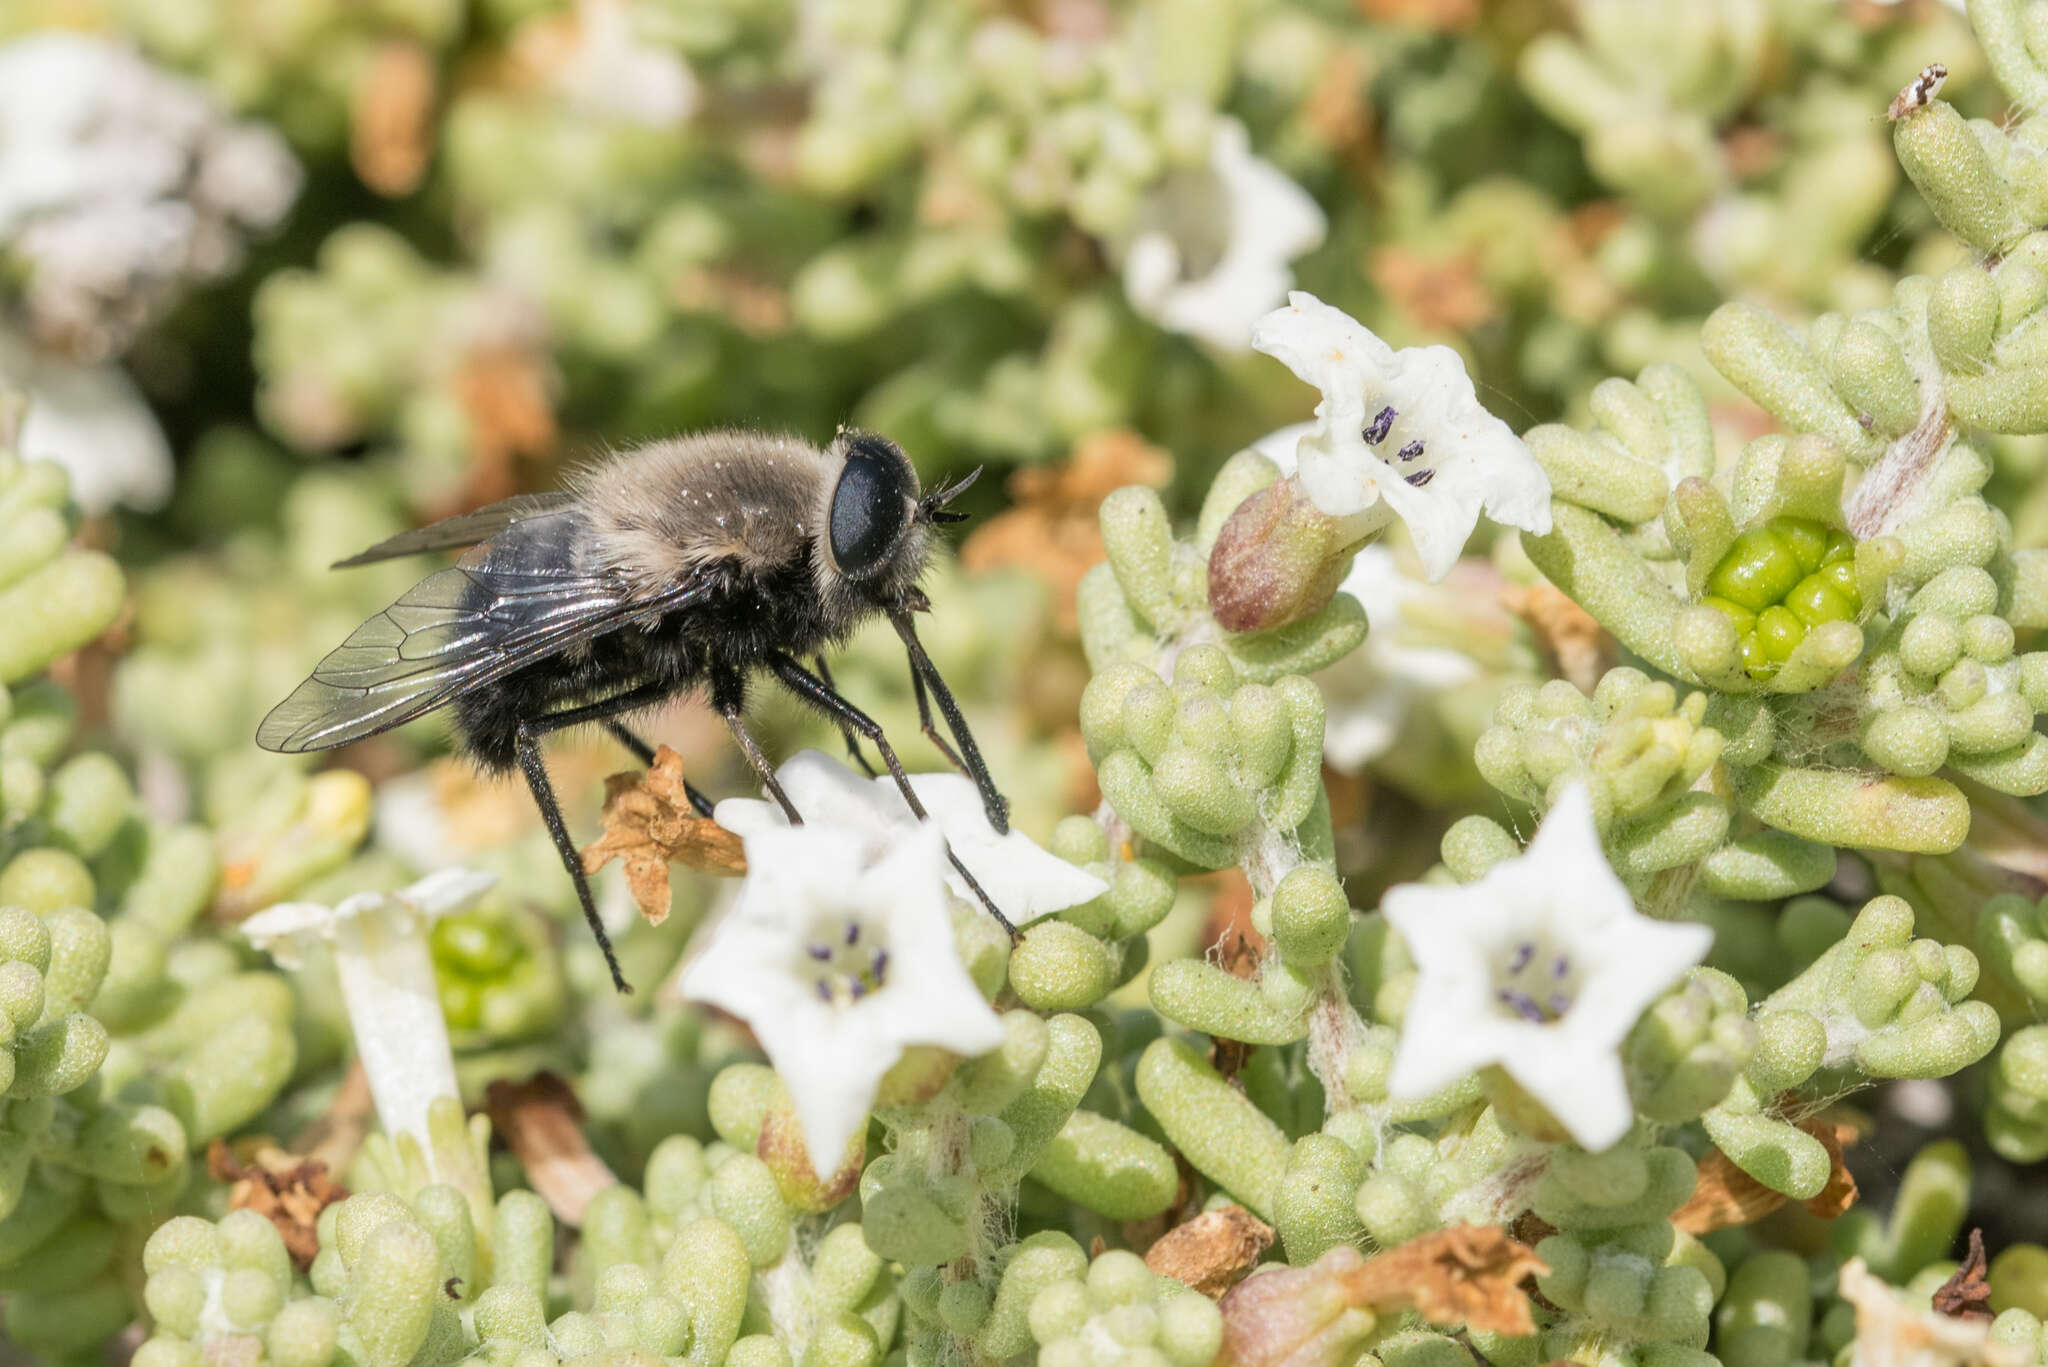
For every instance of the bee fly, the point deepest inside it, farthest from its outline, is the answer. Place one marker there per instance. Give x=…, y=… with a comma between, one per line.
x=679, y=565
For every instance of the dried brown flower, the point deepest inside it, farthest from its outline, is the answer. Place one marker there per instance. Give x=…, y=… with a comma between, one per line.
x=287, y=1191
x=1967, y=1295
x=1212, y=1251
x=649, y=823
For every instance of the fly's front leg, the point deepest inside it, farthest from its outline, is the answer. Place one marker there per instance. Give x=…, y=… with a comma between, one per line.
x=818, y=693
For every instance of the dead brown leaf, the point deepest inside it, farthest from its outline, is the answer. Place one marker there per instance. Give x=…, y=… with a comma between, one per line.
x=649, y=823
x=391, y=118
x=1051, y=529
x=1967, y=1295
x=1466, y=1274
x=287, y=1192
x=1726, y=1196
x=540, y=1121
x=1576, y=645
x=1211, y=1251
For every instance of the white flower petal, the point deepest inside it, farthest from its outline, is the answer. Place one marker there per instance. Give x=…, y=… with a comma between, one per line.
x=834, y=1014
x=1025, y=881
x=1268, y=219
x=1487, y=992
x=92, y=420
x=1443, y=460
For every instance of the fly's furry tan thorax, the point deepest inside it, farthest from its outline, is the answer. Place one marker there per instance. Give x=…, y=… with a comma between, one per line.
x=660, y=511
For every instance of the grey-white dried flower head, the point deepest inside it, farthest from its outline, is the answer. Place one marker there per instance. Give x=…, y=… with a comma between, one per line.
x=120, y=184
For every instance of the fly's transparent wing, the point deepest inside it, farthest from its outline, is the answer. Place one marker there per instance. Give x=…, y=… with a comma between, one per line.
x=502, y=606
x=467, y=529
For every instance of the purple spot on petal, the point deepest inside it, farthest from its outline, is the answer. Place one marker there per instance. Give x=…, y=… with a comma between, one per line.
x=1522, y=1004
x=881, y=964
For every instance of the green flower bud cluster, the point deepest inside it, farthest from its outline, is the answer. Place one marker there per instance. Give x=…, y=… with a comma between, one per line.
x=53, y=597
x=370, y=341
x=2016, y=1112
x=1153, y=1321
x=302, y=71
x=1040, y=127
x=128, y=1044
x=499, y=977
x=1876, y=1003
x=1778, y=582
x=1645, y=92
x=1765, y=1319
x=1308, y=920
x=1228, y=754
x=1647, y=755
x=1617, y=1265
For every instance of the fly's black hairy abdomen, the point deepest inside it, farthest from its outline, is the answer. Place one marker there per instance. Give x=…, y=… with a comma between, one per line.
x=713, y=642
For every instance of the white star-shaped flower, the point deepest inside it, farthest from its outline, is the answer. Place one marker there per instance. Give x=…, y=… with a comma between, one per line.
x=1401, y=434
x=840, y=957
x=1024, y=881
x=379, y=941
x=1541, y=967
x=1213, y=245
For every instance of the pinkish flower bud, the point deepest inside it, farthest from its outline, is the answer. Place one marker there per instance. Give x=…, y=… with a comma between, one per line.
x=1277, y=559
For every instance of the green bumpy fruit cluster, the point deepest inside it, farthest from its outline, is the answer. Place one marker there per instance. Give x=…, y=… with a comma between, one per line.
x=1780, y=580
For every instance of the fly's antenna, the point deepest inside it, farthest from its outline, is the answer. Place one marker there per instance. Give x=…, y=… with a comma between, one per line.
x=933, y=505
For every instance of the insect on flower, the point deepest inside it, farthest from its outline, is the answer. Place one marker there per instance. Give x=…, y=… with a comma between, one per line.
x=681, y=565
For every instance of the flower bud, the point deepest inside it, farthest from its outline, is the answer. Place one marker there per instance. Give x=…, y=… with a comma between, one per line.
x=1277, y=559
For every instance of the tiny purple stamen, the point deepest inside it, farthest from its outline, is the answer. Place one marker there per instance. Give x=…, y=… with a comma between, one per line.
x=1376, y=431
x=1524, y=952
x=1412, y=451
x=824, y=991
x=1421, y=477
x=881, y=964
x=1522, y=1004
x=858, y=989
x=853, y=932
x=819, y=952
x=1559, y=967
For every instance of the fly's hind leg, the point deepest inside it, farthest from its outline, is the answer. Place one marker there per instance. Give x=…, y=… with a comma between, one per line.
x=527, y=744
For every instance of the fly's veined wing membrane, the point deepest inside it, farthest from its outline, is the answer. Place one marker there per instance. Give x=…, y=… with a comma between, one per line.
x=464, y=529
x=503, y=605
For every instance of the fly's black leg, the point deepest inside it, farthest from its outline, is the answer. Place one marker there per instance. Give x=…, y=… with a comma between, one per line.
x=644, y=752
x=859, y=755
x=924, y=720
x=992, y=800
x=818, y=693
x=527, y=743
x=727, y=695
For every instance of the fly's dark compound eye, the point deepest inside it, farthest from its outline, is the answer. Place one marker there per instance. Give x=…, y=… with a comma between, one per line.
x=870, y=506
